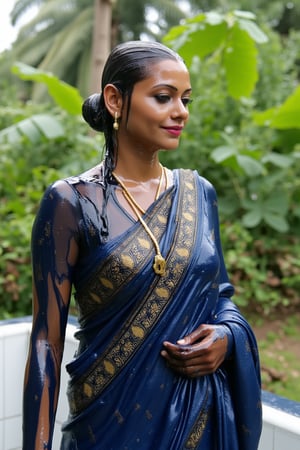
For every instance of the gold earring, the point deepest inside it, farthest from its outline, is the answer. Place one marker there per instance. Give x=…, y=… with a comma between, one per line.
x=116, y=123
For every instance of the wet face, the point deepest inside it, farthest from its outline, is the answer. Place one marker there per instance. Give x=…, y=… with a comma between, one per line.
x=158, y=110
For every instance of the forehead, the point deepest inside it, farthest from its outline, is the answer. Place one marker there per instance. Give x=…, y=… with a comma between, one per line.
x=168, y=72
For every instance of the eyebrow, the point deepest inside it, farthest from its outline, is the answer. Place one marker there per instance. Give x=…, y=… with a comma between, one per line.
x=172, y=87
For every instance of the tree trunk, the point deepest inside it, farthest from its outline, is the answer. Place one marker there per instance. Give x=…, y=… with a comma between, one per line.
x=101, y=45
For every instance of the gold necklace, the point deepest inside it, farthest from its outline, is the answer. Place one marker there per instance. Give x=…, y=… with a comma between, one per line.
x=157, y=194
x=159, y=265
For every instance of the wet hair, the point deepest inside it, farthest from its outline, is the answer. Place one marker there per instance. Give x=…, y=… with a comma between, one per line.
x=127, y=64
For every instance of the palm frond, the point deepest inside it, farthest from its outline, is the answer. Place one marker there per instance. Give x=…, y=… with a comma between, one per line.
x=84, y=70
x=69, y=43
x=63, y=57
x=32, y=51
x=53, y=14
x=21, y=7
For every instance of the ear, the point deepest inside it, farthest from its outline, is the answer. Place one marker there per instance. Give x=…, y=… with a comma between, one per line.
x=113, y=99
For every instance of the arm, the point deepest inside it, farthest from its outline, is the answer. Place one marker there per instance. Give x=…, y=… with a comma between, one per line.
x=54, y=254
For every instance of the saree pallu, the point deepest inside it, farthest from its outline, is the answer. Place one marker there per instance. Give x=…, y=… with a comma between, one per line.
x=122, y=395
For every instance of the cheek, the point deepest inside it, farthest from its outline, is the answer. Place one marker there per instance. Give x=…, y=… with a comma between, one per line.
x=149, y=111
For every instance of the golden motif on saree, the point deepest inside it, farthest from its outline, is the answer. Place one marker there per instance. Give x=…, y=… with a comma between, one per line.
x=199, y=426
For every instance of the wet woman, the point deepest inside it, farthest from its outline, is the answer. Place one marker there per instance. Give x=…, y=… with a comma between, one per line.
x=165, y=360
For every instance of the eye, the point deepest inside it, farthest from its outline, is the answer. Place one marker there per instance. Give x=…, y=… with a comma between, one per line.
x=162, y=98
x=186, y=101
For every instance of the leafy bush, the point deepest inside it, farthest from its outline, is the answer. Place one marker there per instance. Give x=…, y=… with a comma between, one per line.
x=28, y=167
x=265, y=271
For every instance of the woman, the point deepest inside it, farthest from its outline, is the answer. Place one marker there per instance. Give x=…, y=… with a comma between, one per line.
x=165, y=360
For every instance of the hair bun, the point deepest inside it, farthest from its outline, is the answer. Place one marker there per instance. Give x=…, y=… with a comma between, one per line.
x=92, y=112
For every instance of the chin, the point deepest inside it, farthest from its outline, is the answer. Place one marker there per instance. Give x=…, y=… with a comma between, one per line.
x=172, y=147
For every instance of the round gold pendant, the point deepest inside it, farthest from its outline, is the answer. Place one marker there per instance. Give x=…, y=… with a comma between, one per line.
x=159, y=265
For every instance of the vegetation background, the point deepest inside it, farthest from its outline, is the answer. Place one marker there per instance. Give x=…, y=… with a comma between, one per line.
x=243, y=135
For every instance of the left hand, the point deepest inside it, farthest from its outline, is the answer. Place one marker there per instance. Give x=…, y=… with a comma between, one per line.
x=199, y=353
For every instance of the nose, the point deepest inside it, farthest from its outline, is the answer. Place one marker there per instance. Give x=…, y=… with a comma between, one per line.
x=180, y=111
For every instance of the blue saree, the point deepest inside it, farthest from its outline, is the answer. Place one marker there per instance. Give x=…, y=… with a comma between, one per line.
x=122, y=394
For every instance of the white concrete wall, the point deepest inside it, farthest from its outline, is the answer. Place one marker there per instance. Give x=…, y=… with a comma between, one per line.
x=14, y=341
x=281, y=431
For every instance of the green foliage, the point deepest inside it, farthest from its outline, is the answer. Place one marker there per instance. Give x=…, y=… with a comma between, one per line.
x=38, y=146
x=66, y=96
x=33, y=128
x=266, y=275
x=282, y=117
x=229, y=39
x=18, y=207
x=27, y=170
x=134, y=18
x=42, y=125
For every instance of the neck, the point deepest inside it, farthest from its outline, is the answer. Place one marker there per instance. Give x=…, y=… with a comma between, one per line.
x=142, y=194
x=138, y=170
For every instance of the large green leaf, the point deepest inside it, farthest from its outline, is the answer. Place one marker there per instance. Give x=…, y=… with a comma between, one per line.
x=249, y=165
x=200, y=37
x=223, y=152
x=282, y=117
x=253, y=30
x=252, y=218
x=66, y=96
x=276, y=221
x=278, y=160
x=240, y=62
x=244, y=14
x=271, y=210
x=34, y=128
x=277, y=202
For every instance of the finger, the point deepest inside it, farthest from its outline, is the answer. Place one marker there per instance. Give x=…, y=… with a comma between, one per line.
x=207, y=361
x=183, y=352
x=176, y=361
x=175, y=350
x=197, y=368
x=193, y=371
x=196, y=335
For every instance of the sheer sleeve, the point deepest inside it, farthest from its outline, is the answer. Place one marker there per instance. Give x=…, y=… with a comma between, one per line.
x=55, y=239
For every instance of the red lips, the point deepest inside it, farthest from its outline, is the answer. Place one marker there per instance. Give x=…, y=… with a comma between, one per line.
x=174, y=131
